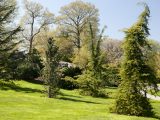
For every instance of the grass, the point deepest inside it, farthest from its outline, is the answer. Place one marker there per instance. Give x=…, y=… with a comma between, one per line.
x=25, y=101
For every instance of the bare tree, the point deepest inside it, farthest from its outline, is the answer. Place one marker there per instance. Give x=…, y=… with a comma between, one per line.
x=34, y=20
x=113, y=50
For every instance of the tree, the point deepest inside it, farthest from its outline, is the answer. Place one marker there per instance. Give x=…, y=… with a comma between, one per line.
x=50, y=73
x=113, y=50
x=136, y=75
x=7, y=36
x=153, y=56
x=96, y=53
x=114, y=53
x=35, y=19
x=66, y=47
x=74, y=20
x=91, y=80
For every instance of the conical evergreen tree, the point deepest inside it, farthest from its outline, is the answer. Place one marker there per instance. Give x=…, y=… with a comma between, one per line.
x=7, y=36
x=136, y=75
x=51, y=69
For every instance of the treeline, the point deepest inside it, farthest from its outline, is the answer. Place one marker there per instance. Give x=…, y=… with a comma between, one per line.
x=69, y=51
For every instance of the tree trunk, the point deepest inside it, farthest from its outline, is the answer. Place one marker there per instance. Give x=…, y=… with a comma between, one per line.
x=49, y=92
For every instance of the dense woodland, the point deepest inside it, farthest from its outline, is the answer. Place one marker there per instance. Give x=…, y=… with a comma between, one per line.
x=71, y=52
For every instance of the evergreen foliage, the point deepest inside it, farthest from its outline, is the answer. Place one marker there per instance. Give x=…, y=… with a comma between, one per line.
x=29, y=69
x=90, y=85
x=110, y=76
x=68, y=78
x=51, y=70
x=136, y=75
x=90, y=82
x=7, y=37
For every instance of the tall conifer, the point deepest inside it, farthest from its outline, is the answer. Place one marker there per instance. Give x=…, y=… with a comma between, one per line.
x=51, y=69
x=7, y=36
x=136, y=75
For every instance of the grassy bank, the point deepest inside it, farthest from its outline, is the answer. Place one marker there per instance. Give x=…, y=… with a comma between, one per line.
x=25, y=101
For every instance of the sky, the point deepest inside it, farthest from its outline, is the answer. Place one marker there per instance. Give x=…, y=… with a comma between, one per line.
x=116, y=14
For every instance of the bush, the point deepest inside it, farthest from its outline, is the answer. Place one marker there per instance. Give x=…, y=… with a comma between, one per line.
x=111, y=76
x=68, y=78
x=30, y=67
x=28, y=71
x=68, y=83
x=89, y=85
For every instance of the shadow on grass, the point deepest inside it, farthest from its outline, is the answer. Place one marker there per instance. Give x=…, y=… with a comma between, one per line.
x=75, y=100
x=157, y=117
x=36, y=81
x=13, y=86
x=63, y=94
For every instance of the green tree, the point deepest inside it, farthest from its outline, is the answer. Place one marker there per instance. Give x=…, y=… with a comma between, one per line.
x=51, y=71
x=136, y=75
x=74, y=19
x=7, y=36
x=97, y=57
x=90, y=81
x=153, y=56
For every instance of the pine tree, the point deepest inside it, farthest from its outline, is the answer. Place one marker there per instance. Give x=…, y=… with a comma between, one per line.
x=136, y=75
x=7, y=36
x=50, y=72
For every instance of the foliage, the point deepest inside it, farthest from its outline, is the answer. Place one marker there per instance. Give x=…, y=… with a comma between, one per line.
x=91, y=80
x=110, y=76
x=7, y=37
x=69, y=74
x=50, y=72
x=16, y=58
x=153, y=57
x=136, y=75
x=74, y=20
x=97, y=57
x=29, y=69
x=66, y=47
x=90, y=85
x=82, y=58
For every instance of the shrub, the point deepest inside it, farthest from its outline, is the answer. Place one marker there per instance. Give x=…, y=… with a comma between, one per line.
x=89, y=85
x=68, y=77
x=28, y=71
x=30, y=67
x=110, y=76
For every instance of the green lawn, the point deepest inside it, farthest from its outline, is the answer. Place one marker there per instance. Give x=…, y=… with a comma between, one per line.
x=27, y=102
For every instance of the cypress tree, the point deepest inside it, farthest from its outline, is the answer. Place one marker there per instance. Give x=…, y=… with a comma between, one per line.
x=136, y=75
x=7, y=37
